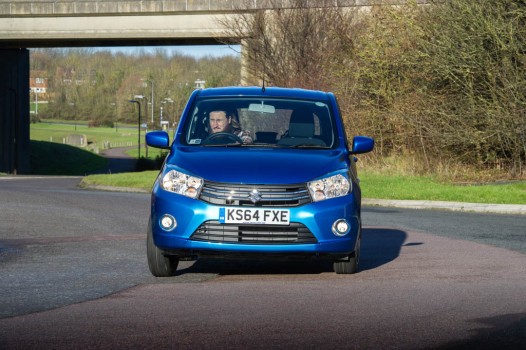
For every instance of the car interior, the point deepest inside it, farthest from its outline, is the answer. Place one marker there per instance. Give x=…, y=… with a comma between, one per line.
x=283, y=123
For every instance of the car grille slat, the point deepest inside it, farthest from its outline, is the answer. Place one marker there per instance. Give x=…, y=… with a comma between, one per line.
x=213, y=231
x=269, y=195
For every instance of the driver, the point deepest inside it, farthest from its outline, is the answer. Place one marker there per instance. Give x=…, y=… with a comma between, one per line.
x=221, y=122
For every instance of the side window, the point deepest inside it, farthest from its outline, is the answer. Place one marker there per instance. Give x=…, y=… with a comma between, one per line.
x=197, y=129
x=191, y=132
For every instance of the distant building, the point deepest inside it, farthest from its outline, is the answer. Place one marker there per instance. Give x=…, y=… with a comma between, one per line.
x=38, y=83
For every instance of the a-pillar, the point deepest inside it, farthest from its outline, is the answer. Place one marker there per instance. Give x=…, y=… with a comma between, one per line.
x=14, y=111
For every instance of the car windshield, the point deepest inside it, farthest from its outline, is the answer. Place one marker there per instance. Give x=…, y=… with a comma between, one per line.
x=260, y=122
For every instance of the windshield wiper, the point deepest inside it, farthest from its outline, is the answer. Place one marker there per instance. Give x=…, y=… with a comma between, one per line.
x=267, y=145
x=226, y=145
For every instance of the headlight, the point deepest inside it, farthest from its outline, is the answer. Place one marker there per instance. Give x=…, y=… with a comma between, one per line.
x=181, y=183
x=330, y=187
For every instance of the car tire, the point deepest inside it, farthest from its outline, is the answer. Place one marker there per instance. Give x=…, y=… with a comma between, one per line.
x=160, y=264
x=349, y=266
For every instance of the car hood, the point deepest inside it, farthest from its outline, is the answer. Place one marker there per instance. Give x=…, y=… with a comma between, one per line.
x=257, y=165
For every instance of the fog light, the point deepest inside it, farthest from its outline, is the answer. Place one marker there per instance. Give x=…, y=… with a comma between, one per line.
x=168, y=222
x=341, y=227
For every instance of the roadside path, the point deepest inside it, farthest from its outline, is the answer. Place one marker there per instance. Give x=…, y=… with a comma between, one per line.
x=118, y=160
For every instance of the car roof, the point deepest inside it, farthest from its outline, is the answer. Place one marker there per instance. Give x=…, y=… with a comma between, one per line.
x=254, y=91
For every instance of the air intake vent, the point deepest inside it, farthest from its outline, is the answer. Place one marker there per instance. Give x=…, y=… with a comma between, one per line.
x=213, y=231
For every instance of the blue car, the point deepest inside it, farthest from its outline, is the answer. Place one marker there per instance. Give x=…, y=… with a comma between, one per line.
x=257, y=172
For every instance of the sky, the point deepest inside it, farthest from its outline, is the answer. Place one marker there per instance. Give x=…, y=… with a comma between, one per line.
x=197, y=51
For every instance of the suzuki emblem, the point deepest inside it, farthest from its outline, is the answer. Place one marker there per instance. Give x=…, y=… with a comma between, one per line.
x=254, y=196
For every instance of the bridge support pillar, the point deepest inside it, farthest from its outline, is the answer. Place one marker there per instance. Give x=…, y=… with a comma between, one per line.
x=14, y=111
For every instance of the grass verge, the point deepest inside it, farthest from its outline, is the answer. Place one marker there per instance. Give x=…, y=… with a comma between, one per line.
x=56, y=132
x=373, y=186
x=140, y=180
x=381, y=186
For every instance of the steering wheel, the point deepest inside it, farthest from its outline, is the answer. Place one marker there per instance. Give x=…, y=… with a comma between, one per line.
x=218, y=135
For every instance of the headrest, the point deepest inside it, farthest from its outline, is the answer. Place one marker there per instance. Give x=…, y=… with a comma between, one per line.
x=301, y=124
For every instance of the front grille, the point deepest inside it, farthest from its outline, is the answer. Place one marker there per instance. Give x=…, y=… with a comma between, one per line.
x=267, y=195
x=213, y=231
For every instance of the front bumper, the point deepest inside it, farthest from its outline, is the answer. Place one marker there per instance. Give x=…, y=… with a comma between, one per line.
x=316, y=218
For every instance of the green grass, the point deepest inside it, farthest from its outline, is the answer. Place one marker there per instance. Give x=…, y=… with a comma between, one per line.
x=120, y=137
x=98, y=137
x=48, y=158
x=141, y=180
x=373, y=186
x=427, y=188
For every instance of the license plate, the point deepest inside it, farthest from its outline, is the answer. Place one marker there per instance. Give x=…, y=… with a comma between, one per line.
x=254, y=216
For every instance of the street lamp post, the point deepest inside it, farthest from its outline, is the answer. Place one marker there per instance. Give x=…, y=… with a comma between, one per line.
x=138, y=128
x=142, y=97
x=170, y=111
x=152, y=83
x=115, y=118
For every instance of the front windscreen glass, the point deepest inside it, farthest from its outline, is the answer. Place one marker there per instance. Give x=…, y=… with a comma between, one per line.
x=260, y=122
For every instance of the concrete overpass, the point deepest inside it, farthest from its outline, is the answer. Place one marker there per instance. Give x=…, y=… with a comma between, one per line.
x=31, y=24
x=112, y=23
x=68, y=23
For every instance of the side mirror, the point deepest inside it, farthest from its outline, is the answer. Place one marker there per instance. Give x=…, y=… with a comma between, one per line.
x=158, y=139
x=362, y=144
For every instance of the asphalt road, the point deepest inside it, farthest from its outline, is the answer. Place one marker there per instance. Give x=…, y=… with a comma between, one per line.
x=73, y=274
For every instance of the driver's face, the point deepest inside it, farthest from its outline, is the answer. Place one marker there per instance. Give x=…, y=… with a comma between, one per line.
x=218, y=122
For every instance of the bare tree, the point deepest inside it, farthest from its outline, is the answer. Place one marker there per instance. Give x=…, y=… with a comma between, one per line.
x=438, y=84
x=292, y=45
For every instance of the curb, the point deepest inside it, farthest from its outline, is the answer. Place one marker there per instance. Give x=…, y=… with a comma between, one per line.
x=454, y=206
x=113, y=189
x=514, y=209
